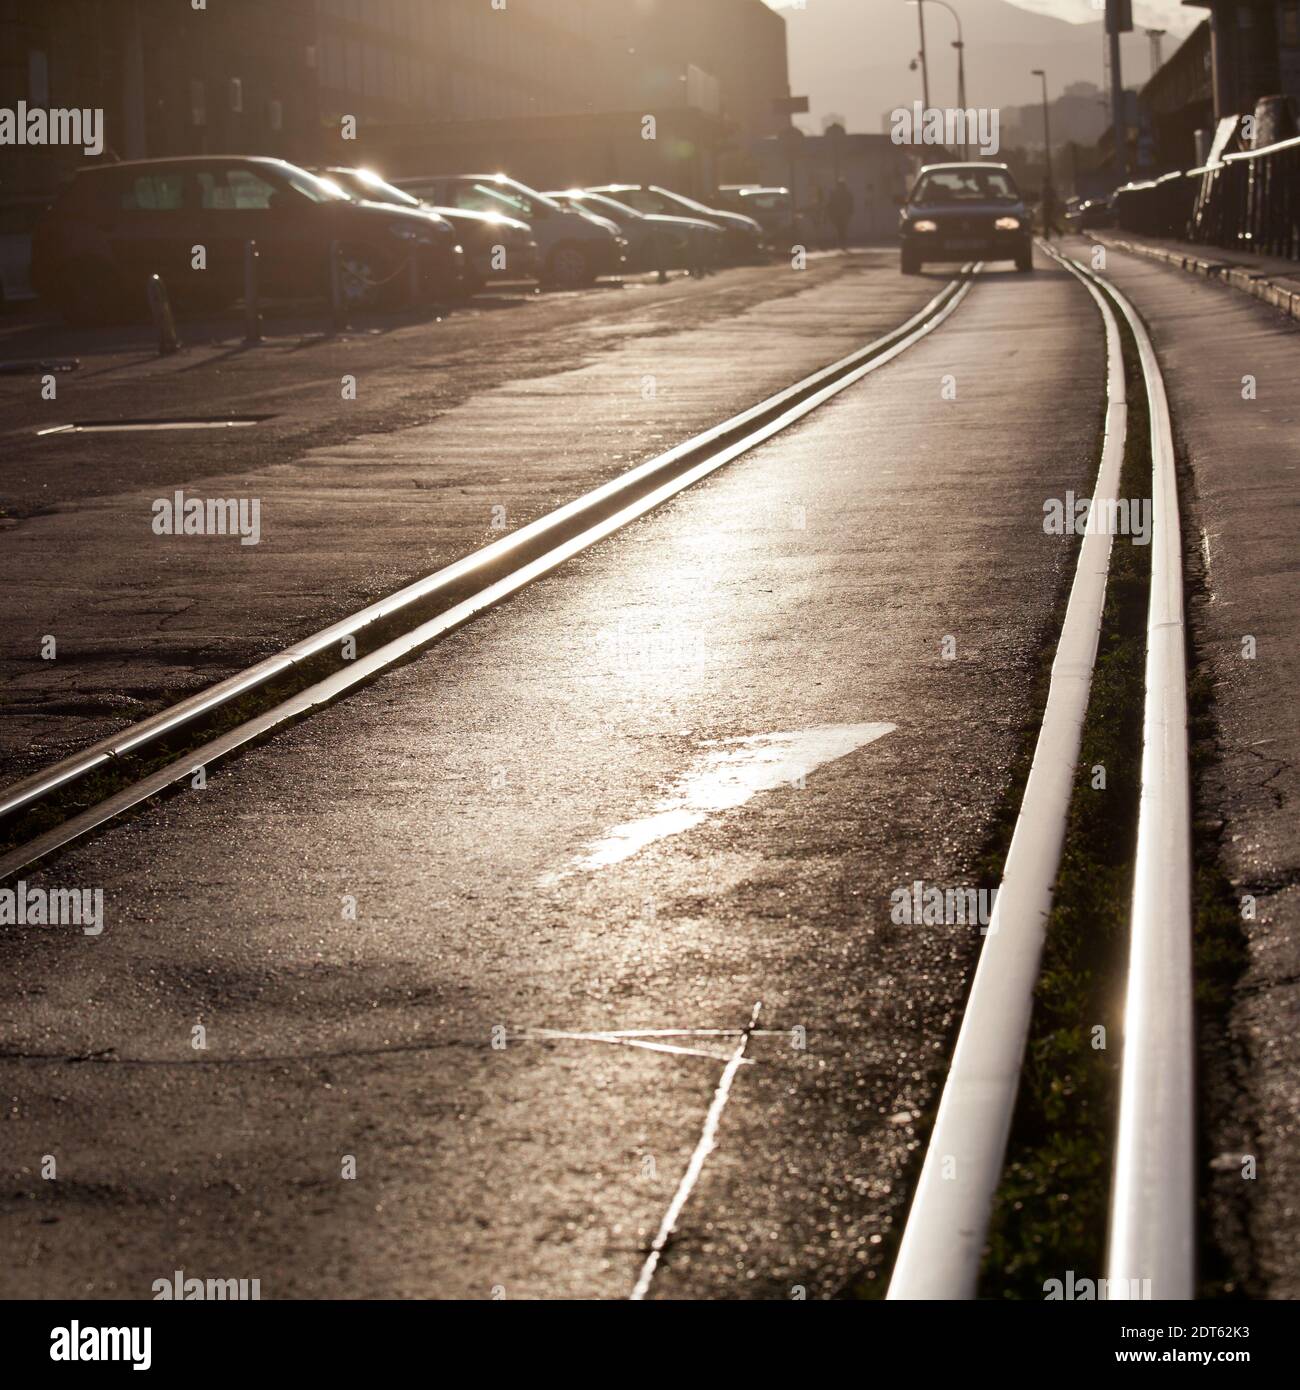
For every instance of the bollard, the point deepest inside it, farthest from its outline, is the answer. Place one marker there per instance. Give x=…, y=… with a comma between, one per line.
x=252, y=312
x=338, y=308
x=698, y=255
x=413, y=279
x=161, y=309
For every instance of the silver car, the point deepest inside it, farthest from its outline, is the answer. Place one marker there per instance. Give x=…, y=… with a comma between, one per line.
x=575, y=249
x=655, y=241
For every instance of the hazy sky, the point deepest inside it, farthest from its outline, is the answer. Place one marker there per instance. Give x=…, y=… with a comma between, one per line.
x=1152, y=14
x=854, y=58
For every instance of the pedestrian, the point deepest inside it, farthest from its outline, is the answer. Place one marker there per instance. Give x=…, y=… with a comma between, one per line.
x=840, y=207
x=1047, y=211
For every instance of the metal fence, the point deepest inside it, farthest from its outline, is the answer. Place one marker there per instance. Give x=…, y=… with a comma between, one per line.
x=1248, y=201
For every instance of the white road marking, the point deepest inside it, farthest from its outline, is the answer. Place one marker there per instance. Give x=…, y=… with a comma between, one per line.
x=615, y=1038
x=708, y=1141
x=729, y=774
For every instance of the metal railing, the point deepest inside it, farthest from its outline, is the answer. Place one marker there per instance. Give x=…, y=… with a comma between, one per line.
x=1248, y=201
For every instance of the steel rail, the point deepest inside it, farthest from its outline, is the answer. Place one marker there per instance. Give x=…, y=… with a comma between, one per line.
x=1151, y=1242
x=762, y=423
x=258, y=677
x=943, y=1240
x=1151, y=1245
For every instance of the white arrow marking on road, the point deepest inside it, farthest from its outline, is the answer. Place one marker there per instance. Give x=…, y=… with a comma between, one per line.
x=731, y=772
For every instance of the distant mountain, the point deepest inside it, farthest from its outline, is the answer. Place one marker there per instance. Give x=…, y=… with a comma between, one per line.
x=852, y=56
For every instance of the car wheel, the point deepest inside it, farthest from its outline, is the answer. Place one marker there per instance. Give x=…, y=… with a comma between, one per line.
x=567, y=267
x=90, y=293
x=910, y=261
x=366, y=278
x=1025, y=261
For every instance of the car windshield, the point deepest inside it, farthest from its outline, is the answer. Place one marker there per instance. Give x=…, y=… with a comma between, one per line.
x=598, y=202
x=311, y=186
x=505, y=195
x=371, y=186
x=682, y=200
x=966, y=185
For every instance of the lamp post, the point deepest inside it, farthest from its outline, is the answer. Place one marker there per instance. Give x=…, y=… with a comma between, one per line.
x=925, y=67
x=960, y=46
x=1047, y=123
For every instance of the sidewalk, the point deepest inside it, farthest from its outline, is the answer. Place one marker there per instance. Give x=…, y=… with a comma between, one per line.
x=1275, y=281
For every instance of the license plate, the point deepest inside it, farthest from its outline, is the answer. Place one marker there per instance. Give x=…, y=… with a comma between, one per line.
x=965, y=243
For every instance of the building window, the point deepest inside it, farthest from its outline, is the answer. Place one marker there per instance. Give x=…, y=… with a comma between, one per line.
x=236, y=95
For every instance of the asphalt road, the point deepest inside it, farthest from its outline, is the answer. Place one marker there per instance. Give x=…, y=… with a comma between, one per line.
x=576, y=815
x=459, y=430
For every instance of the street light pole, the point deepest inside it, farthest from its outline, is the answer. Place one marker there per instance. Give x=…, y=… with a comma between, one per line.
x=1047, y=124
x=960, y=46
x=925, y=70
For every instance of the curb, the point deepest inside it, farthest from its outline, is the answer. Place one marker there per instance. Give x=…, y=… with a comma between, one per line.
x=1239, y=277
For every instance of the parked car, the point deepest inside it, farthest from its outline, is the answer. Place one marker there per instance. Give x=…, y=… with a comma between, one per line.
x=575, y=248
x=496, y=247
x=115, y=225
x=960, y=212
x=743, y=236
x=1093, y=213
x=771, y=208
x=18, y=216
x=654, y=241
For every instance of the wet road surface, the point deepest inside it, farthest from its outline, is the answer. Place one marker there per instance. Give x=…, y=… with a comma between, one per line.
x=384, y=920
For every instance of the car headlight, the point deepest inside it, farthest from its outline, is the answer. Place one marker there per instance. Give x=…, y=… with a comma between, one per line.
x=925, y=225
x=1007, y=224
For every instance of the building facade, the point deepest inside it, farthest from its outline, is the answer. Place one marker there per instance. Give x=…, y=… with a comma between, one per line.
x=169, y=79
x=1255, y=52
x=1178, y=102
x=877, y=171
x=283, y=78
